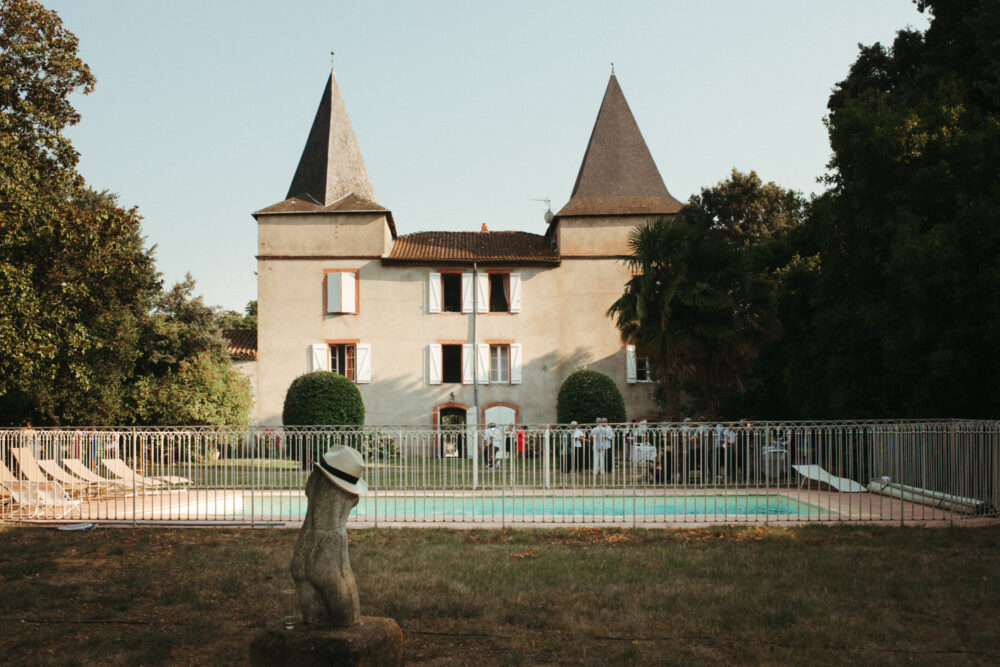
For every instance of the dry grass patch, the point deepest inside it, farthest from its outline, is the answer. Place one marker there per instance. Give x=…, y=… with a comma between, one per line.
x=735, y=594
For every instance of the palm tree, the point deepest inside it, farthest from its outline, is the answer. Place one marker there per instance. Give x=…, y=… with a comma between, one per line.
x=694, y=307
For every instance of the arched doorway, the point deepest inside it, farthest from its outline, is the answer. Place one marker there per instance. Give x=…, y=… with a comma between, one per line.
x=505, y=416
x=452, y=434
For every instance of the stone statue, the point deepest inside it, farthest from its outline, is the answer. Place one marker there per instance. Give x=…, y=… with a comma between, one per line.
x=328, y=593
x=333, y=632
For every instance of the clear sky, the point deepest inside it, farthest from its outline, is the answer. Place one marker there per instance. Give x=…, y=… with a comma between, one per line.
x=465, y=110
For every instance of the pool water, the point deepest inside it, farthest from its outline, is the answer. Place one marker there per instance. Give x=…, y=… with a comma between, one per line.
x=489, y=506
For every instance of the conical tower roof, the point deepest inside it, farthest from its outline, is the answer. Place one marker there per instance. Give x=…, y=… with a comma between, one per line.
x=331, y=166
x=618, y=175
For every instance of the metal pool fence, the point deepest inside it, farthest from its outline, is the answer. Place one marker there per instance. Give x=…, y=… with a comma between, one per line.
x=629, y=474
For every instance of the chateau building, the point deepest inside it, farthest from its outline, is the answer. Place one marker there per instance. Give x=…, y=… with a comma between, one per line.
x=450, y=327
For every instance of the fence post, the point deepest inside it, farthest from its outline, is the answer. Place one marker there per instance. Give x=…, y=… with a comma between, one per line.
x=547, y=463
x=475, y=459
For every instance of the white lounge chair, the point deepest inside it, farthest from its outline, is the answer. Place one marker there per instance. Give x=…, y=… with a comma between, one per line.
x=818, y=474
x=77, y=467
x=33, y=472
x=56, y=472
x=36, y=500
x=120, y=469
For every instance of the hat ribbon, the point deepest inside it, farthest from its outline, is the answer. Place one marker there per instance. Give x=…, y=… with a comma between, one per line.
x=337, y=473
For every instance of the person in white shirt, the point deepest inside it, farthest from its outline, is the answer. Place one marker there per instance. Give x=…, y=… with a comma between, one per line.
x=577, y=437
x=602, y=436
x=491, y=440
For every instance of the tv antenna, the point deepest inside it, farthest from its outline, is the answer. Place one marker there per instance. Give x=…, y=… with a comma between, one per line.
x=548, y=214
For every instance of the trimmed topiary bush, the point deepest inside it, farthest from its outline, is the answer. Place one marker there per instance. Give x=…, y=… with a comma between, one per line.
x=322, y=398
x=586, y=396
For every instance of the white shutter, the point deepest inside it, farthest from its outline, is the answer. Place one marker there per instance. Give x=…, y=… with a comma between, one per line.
x=466, y=292
x=630, y=364
x=515, y=363
x=434, y=361
x=364, y=373
x=482, y=293
x=515, y=292
x=434, y=293
x=468, y=364
x=319, y=357
x=333, y=292
x=484, y=363
x=347, y=292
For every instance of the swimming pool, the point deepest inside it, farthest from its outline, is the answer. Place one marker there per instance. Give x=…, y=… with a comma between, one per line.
x=489, y=507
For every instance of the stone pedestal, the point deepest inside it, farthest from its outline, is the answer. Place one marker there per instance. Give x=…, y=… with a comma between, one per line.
x=376, y=641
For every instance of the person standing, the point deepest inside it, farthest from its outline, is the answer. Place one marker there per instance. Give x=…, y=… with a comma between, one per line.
x=576, y=434
x=602, y=436
x=490, y=437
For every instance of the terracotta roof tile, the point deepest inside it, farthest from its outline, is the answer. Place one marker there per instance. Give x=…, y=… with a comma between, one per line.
x=241, y=344
x=473, y=246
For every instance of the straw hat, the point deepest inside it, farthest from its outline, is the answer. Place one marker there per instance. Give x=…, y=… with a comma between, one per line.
x=344, y=467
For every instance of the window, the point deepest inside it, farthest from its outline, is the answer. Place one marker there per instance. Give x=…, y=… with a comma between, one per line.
x=348, y=358
x=451, y=292
x=499, y=363
x=451, y=363
x=499, y=284
x=498, y=292
x=637, y=369
x=343, y=360
x=341, y=289
x=642, y=373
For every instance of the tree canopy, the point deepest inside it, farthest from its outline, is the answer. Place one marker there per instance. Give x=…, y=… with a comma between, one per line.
x=74, y=276
x=905, y=314
x=87, y=335
x=700, y=303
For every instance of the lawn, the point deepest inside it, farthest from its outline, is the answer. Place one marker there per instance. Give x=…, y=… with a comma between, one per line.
x=826, y=594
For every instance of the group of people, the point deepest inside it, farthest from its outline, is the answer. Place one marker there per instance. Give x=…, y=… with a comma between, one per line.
x=694, y=451
x=495, y=443
x=720, y=453
x=600, y=437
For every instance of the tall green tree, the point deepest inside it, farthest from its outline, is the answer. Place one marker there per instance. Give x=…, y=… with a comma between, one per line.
x=230, y=319
x=906, y=309
x=695, y=306
x=184, y=374
x=74, y=276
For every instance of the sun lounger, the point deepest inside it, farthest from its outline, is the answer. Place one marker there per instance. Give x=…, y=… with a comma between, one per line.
x=120, y=469
x=818, y=474
x=33, y=472
x=77, y=467
x=56, y=472
x=36, y=500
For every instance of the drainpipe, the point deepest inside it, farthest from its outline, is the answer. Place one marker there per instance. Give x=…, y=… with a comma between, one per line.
x=475, y=376
x=475, y=346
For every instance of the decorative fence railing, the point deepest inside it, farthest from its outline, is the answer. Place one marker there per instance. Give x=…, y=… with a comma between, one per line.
x=631, y=474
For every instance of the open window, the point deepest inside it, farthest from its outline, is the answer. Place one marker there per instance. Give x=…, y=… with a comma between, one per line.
x=637, y=368
x=450, y=363
x=449, y=292
x=498, y=292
